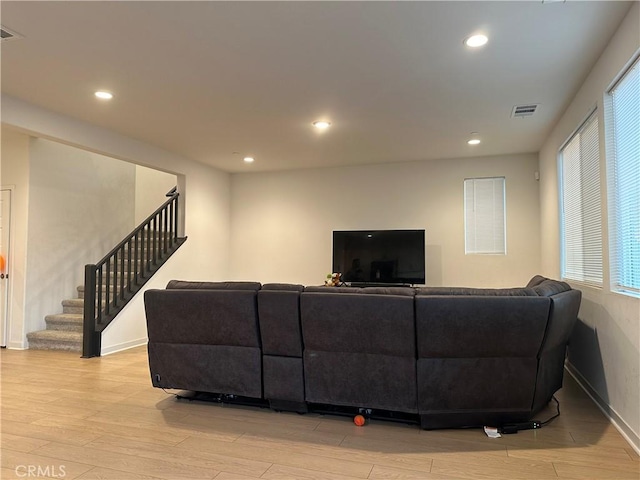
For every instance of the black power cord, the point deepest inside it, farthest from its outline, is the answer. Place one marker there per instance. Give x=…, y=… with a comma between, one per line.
x=533, y=425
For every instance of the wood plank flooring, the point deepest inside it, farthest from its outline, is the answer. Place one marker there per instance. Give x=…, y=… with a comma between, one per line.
x=67, y=417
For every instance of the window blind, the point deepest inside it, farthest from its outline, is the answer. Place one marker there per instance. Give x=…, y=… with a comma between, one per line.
x=624, y=187
x=484, y=215
x=581, y=218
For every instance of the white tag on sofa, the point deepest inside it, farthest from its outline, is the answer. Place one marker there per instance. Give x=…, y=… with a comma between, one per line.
x=492, y=432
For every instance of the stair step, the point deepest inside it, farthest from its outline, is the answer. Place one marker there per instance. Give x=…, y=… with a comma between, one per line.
x=68, y=322
x=55, y=340
x=73, y=305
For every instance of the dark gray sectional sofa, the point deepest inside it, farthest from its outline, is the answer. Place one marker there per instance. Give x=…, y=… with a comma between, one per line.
x=451, y=357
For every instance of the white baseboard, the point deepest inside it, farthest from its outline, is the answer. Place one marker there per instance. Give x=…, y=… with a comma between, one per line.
x=616, y=420
x=123, y=346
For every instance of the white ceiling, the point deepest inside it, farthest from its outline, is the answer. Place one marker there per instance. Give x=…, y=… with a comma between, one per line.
x=207, y=79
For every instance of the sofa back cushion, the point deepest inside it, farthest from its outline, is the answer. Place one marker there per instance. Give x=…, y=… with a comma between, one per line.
x=287, y=287
x=548, y=287
x=401, y=291
x=358, y=323
x=182, y=284
x=483, y=292
x=536, y=280
x=476, y=326
x=209, y=317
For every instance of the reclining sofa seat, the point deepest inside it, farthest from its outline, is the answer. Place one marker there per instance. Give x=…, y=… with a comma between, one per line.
x=491, y=356
x=204, y=336
x=359, y=347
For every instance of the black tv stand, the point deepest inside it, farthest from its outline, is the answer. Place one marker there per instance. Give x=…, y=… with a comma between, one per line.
x=376, y=284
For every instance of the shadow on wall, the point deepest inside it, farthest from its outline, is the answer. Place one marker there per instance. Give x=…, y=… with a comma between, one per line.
x=434, y=266
x=596, y=354
x=585, y=358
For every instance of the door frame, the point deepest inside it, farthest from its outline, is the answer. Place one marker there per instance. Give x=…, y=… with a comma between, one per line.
x=9, y=267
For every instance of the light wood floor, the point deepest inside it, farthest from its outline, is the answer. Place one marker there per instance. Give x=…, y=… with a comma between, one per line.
x=101, y=419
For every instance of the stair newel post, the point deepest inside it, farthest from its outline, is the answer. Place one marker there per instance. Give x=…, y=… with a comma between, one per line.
x=90, y=337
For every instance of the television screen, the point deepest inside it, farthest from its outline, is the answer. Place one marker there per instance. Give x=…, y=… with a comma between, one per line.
x=380, y=256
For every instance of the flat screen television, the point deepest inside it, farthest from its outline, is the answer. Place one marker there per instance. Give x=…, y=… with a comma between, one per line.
x=380, y=256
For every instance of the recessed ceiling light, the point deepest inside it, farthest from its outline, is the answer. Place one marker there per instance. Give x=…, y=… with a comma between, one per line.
x=248, y=159
x=321, y=124
x=475, y=41
x=474, y=141
x=104, y=95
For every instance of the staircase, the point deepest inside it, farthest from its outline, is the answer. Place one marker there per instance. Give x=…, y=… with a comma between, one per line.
x=64, y=330
x=111, y=283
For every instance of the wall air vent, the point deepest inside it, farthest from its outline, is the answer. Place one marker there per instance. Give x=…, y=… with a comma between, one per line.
x=524, y=110
x=6, y=34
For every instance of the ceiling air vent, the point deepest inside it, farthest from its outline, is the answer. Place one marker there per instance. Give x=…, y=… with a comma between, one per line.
x=6, y=34
x=524, y=110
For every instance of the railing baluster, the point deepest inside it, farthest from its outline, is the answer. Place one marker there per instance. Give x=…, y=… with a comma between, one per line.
x=164, y=232
x=154, y=252
x=106, y=287
x=148, y=252
x=170, y=234
x=99, y=294
x=122, y=286
x=115, y=279
x=129, y=272
x=175, y=218
x=136, y=245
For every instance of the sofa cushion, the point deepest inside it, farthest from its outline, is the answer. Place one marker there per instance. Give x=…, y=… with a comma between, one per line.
x=536, y=280
x=493, y=292
x=475, y=326
x=375, y=324
x=361, y=380
x=551, y=287
x=205, y=317
x=403, y=291
x=182, y=284
x=289, y=287
x=323, y=289
x=206, y=368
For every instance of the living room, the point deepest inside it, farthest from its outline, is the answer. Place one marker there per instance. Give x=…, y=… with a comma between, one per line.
x=235, y=220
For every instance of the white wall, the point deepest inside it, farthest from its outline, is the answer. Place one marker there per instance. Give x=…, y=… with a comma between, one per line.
x=283, y=222
x=605, y=348
x=14, y=172
x=204, y=189
x=151, y=189
x=81, y=205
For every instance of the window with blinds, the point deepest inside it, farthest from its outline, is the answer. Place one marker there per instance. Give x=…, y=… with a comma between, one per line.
x=623, y=142
x=485, y=216
x=581, y=218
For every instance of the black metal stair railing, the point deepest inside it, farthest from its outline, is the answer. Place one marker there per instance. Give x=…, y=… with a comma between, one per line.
x=114, y=280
